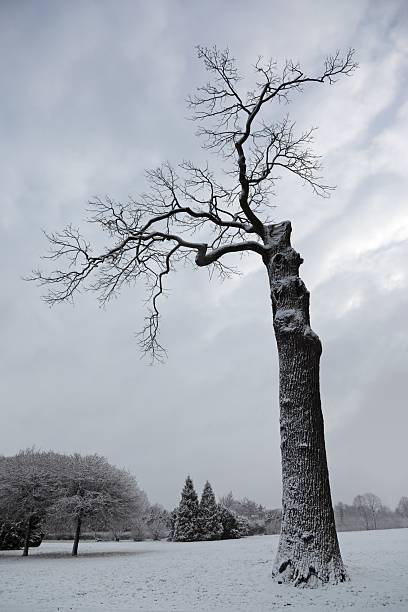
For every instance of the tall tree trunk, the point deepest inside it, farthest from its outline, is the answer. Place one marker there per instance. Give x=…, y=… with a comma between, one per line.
x=27, y=536
x=77, y=535
x=308, y=551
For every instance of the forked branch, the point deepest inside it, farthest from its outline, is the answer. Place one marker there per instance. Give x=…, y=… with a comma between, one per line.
x=188, y=215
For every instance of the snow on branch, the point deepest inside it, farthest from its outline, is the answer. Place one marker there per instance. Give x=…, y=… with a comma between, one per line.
x=148, y=239
x=187, y=215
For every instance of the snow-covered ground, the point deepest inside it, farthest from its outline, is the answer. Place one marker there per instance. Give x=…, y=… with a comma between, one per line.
x=229, y=575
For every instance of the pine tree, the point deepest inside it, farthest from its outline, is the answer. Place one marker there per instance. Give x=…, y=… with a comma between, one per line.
x=208, y=515
x=186, y=528
x=172, y=524
x=233, y=526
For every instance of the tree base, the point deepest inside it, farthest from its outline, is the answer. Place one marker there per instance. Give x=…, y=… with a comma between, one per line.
x=305, y=573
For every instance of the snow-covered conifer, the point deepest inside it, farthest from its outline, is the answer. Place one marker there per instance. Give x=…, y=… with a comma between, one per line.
x=172, y=524
x=186, y=528
x=208, y=515
x=233, y=526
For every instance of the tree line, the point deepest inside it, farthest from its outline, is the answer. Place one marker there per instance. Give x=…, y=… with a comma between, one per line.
x=190, y=520
x=368, y=512
x=205, y=519
x=73, y=496
x=195, y=520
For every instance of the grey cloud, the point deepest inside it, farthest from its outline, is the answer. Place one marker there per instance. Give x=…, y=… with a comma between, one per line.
x=93, y=94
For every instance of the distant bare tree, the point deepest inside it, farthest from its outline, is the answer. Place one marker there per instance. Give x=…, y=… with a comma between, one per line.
x=368, y=505
x=273, y=521
x=157, y=521
x=192, y=216
x=339, y=511
x=139, y=529
x=375, y=506
x=402, y=507
x=227, y=501
x=361, y=507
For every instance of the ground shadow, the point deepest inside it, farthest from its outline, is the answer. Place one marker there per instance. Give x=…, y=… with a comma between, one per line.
x=83, y=555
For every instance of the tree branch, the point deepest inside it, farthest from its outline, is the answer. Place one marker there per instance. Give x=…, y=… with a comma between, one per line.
x=187, y=215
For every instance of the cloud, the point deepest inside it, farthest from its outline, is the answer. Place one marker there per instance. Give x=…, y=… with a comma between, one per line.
x=92, y=95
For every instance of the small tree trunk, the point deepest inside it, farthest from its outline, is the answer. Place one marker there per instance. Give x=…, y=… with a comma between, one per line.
x=27, y=536
x=77, y=536
x=2, y=535
x=308, y=551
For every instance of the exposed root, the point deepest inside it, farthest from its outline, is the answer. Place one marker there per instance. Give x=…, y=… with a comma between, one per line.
x=301, y=574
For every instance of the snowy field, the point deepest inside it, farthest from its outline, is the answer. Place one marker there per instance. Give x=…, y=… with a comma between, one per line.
x=228, y=575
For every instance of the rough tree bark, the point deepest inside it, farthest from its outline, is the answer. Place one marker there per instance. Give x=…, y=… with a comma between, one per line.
x=308, y=549
x=77, y=535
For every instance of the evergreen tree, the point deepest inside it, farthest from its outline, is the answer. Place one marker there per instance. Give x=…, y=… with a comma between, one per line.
x=172, y=524
x=208, y=515
x=233, y=526
x=186, y=528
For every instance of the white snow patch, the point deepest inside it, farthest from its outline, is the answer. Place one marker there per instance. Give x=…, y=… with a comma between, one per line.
x=289, y=319
x=232, y=575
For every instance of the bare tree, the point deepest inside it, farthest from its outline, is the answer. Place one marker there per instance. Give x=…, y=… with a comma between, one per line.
x=157, y=521
x=190, y=215
x=402, y=507
x=368, y=505
x=361, y=507
x=375, y=506
x=339, y=513
x=273, y=521
x=227, y=501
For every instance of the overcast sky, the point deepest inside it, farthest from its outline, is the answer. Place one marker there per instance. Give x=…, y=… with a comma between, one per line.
x=93, y=92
